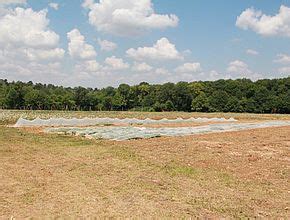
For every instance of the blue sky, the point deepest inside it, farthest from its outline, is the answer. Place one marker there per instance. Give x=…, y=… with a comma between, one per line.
x=209, y=41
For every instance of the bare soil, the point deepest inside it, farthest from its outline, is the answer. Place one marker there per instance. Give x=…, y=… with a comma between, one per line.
x=233, y=175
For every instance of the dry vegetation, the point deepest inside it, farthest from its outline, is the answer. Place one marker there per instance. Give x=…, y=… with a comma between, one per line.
x=234, y=174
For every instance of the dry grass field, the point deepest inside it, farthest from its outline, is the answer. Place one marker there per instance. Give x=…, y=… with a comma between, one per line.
x=243, y=174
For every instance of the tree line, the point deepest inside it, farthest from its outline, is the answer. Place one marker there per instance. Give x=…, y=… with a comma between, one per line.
x=241, y=95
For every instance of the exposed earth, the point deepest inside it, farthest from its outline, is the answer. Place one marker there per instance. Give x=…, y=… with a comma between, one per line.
x=232, y=174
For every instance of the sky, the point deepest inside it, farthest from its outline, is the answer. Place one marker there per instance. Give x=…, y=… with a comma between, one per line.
x=99, y=43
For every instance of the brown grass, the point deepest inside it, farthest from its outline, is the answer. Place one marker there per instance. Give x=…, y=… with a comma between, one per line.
x=234, y=174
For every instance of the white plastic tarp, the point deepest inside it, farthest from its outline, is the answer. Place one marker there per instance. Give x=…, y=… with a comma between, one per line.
x=108, y=121
x=127, y=133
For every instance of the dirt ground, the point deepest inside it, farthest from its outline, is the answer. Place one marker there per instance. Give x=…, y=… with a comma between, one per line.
x=234, y=174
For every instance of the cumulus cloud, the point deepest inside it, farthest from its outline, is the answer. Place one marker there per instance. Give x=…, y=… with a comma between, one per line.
x=27, y=27
x=54, y=5
x=85, y=66
x=31, y=71
x=28, y=47
x=35, y=70
x=239, y=69
x=115, y=63
x=89, y=66
x=107, y=45
x=214, y=75
x=187, y=52
x=127, y=17
x=252, y=52
x=78, y=48
x=8, y=2
x=186, y=72
x=189, y=68
x=266, y=25
x=162, y=50
x=283, y=59
x=44, y=54
x=30, y=54
x=141, y=67
x=285, y=70
x=3, y=11
x=162, y=71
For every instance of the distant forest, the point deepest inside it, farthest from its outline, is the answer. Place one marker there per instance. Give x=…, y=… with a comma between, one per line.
x=241, y=95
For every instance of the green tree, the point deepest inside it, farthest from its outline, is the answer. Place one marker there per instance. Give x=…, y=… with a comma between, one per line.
x=34, y=99
x=218, y=101
x=200, y=103
x=241, y=95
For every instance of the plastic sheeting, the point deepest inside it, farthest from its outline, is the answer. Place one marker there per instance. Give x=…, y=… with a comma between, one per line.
x=127, y=133
x=103, y=121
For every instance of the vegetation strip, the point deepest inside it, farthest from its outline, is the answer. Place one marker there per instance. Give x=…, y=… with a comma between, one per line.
x=241, y=95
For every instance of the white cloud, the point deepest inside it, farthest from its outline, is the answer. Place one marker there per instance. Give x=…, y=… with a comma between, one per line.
x=285, y=60
x=28, y=48
x=282, y=58
x=47, y=54
x=186, y=72
x=30, y=71
x=90, y=66
x=127, y=17
x=141, y=67
x=214, y=75
x=239, y=69
x=277, y=25
x=115, y=63
x=84, y=55
x=88, y=3
x=162, y=50
x=54, y=5
x=252, y=52
x=107, y=45
x=78, y=48
x=189, y=68
x=285, y=70
x=162, y=71
x=28, y=28
x=30, y=54
x=8, y=2
x=187, y=52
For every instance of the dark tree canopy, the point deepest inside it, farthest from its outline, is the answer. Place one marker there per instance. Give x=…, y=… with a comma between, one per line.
x=241, y=95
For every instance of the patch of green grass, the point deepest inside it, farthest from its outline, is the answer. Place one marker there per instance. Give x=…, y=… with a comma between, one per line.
x=28, y=197
x=226, y=178
x=124, y=153
x=174, y=169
